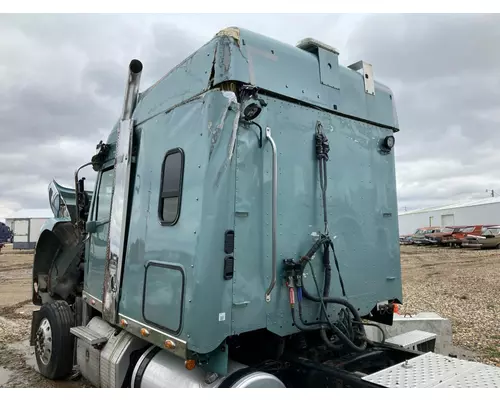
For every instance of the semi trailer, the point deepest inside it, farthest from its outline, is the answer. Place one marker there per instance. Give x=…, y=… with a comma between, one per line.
x=242, y=232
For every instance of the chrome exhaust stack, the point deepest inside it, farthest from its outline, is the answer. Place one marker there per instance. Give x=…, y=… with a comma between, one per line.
x=132, y=89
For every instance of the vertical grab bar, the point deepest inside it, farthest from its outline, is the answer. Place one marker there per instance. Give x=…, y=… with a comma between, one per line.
x=274, y=212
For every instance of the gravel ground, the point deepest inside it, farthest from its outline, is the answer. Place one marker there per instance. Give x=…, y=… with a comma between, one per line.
x=461, y=285
x=17, y=360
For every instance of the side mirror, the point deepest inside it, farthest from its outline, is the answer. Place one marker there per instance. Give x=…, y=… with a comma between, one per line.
x=91, y=226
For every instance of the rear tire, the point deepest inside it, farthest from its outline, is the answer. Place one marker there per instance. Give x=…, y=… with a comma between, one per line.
x=54, y=343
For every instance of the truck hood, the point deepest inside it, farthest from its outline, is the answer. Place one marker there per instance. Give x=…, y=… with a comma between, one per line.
x=62, y=200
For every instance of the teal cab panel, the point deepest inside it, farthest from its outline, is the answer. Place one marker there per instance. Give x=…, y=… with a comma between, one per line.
x=198, y=252
x=362, y=215
x=175, y=253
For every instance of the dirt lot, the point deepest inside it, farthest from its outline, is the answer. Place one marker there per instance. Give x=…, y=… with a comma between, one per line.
x=17, y=360
x=462, y=285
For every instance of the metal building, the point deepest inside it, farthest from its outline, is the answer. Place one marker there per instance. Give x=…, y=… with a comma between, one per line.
x=26, y=225
x=474, y=212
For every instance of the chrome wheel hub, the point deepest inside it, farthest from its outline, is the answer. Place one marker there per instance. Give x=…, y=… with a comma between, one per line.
x=43, y=341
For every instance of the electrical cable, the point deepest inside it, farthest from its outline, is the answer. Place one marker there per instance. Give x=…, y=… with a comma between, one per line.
x=336, y=330
x=260, y=131
x=376, y=326
x=346, y=332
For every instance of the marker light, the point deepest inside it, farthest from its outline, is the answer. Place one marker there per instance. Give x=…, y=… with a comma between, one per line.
x=388, y=142
x=190, y=364
x=169, y=344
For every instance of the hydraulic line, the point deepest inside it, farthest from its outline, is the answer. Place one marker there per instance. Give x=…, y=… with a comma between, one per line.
x=322, y=149
x=336, y=330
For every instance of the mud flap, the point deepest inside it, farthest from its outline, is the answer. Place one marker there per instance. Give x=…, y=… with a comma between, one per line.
x=35, y=319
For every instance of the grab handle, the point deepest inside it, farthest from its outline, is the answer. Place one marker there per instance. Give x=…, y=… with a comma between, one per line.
x=274, y=212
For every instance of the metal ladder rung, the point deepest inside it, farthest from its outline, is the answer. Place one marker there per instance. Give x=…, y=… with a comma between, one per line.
x=88, y=335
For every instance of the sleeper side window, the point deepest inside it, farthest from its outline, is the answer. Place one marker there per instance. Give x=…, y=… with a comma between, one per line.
x=169, y=206
x=103, y=203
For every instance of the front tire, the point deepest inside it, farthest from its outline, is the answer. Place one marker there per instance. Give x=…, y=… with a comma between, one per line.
x=54, y=343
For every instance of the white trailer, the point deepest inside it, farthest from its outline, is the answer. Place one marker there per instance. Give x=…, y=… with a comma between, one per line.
x=26, y=225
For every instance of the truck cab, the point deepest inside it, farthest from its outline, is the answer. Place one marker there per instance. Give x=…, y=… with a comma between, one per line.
x=242, y=230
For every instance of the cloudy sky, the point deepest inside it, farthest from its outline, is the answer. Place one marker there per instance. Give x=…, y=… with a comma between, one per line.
x=62, y=81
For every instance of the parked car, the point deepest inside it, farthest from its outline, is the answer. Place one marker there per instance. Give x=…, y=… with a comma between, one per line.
x=406, y=239
x=445, y=233
x=456, y=238
x=419, y=238
x=488, y=239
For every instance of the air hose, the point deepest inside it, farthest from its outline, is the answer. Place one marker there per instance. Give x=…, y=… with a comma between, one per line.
x=322, y=149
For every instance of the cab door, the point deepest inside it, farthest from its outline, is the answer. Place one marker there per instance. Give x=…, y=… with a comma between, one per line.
x=97, y=243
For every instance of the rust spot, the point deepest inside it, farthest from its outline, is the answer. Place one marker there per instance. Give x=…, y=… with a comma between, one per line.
x=231, y=32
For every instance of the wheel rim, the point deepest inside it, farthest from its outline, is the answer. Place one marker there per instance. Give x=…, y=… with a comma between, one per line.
x=43, y=341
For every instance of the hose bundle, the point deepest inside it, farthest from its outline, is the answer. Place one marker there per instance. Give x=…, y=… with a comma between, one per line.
x=343, y=329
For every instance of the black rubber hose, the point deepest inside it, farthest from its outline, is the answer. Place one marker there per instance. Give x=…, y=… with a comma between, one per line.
x=376, y=326
x=338, y=268
x=302, y=328
x=318, y=324
x=328, y=269
x=336, y=330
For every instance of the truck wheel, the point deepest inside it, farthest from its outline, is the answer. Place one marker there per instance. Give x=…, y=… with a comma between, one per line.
x=54, y=343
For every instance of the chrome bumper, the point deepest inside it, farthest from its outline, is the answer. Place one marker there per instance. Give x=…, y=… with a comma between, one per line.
x=472, y=245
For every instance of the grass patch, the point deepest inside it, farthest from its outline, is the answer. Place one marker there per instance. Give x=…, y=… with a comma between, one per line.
x=493, y=352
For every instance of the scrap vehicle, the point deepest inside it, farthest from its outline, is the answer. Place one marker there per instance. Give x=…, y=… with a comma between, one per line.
x=242, y=231
x=489, y=238
x=420, y=236
x=456, y=238
x=5, y=235
x=407, y=239
x=447, y=232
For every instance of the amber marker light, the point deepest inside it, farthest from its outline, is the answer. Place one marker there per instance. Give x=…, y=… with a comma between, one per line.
x=190, y=364
x=144, y=332
x=169, y=344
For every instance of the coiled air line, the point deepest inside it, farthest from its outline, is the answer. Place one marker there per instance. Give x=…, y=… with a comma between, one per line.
x=295, y=272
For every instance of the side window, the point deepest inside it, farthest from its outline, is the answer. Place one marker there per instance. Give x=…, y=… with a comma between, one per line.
x=103, y=201
x=56, y=205
x=169, y=206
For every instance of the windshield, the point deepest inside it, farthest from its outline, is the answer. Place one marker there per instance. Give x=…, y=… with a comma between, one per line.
x=490, y=231
x=447, y=230
x=469, y=229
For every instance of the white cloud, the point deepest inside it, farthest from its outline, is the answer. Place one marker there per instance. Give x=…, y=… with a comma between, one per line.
x=62, y=81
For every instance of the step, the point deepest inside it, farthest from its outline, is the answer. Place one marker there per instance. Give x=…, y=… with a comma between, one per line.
x=88, y=335
x=433, y=370
x=414, y=339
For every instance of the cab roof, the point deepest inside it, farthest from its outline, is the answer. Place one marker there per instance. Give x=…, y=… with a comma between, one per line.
x=308, y=73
